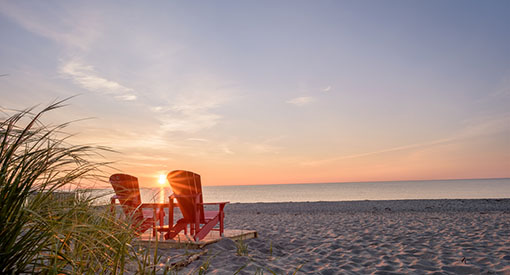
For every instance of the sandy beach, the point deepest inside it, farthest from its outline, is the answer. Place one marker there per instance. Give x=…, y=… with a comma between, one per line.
x=364, y=237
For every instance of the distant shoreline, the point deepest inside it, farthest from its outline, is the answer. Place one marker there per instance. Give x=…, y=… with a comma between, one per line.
x=413, y=205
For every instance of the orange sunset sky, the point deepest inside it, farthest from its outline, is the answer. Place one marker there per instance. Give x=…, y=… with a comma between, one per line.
x=275, y=92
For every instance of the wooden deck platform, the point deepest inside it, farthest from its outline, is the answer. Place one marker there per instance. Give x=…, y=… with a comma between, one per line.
x=186, y=241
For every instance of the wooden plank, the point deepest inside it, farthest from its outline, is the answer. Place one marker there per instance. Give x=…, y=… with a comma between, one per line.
x=186, y=241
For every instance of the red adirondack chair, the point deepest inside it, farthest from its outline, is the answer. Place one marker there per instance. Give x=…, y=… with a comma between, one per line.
x=187, y=190
x=143, y=215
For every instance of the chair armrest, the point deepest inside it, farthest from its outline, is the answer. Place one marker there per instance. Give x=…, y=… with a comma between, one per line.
x=112, y=201
x=115, y=197
x=174, y=196
x=221, y=205
x=158, y=210
x=214, y=203
x=185, y=196
x=152, y=205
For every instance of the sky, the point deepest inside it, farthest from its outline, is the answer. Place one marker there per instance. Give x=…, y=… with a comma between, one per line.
x=270, y=92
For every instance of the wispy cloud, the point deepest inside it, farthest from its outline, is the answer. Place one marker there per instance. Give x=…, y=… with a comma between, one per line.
x=189, y=122
x=198, y=139
x=188, y=116
x=378, y=152
x=264, y=148
x=158, y=109
x=226, y=150
x=504, y=88
x=327, y=89
x=78, y=31
x=86, y=77
x=193, y=107
x=473, y=129
x=301, y=101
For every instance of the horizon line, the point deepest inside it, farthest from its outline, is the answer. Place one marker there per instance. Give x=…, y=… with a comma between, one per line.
x=331, y=182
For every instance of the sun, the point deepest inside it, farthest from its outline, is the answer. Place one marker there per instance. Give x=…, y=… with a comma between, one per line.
x=161, y=179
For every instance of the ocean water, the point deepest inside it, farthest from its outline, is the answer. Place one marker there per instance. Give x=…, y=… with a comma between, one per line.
x=389, y=190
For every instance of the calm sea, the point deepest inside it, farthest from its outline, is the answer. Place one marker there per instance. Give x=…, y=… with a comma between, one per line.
x=389, y=190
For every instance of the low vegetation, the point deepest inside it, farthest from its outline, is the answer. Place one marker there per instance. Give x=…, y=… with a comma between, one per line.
x=42, y=228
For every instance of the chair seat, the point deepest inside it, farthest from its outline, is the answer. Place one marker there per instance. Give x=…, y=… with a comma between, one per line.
x=146, y=224
x=209, y=215
x=148, y=213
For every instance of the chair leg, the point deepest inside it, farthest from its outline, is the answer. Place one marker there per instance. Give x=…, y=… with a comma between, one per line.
x=221, y=215
x=197, y=227
x=221, y=224
x=206, y=229
x=174, y=231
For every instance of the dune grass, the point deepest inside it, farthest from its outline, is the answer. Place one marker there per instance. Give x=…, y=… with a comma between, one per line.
x=42, y=229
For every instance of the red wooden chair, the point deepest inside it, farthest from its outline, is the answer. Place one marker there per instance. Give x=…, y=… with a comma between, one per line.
x=143, y=215
x=187, y=190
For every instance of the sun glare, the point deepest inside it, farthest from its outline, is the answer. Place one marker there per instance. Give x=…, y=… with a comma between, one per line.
x=161, y=179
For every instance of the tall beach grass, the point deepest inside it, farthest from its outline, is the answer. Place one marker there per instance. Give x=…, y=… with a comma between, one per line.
x=43, y=229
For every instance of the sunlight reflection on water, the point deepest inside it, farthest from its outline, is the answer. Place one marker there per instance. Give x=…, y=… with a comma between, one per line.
x=161, y=195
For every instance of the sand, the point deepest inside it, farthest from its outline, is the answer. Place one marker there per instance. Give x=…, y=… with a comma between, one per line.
x=364, y=237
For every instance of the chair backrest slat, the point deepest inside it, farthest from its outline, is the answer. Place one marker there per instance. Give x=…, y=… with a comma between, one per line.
x=128, y=193
x=186, y=183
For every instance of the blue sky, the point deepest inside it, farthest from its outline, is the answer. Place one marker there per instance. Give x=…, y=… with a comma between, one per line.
x=272, y=91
